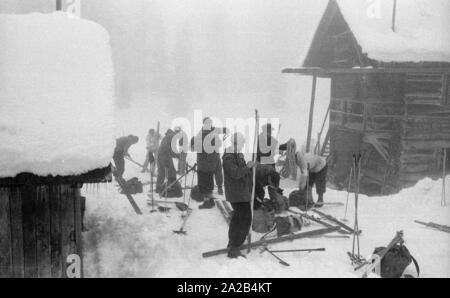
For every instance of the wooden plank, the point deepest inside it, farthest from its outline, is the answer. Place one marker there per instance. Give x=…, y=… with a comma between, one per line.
x=55, y=231
x=28, y=193
x=43, y=232
x=5, y=235
x=17, y=233
x=311, y=113
x=68, y=241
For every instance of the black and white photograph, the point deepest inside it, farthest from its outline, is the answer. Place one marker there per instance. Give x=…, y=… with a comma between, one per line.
x=224, y=144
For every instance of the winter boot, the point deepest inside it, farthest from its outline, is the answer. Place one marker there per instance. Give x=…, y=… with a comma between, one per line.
x=208, y=204
x=220, y=190
x=234, y=252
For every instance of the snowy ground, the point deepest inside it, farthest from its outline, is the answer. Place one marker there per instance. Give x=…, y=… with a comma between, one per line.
x=120, y=243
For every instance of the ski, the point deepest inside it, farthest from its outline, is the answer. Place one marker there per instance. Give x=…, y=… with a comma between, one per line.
x=317, y=220
x=129, y=197
x=433, y=225
x=228, y=208
x=136, y=163
x=223, y=211
x=275, y=240
x=336, y=221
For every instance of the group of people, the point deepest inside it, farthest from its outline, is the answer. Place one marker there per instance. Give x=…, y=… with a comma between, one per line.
x=231, y=170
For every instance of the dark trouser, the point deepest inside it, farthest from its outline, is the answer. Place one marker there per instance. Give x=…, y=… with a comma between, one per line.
x=239, y=224
x=165, y=169
x=182, y=166
x=119, y=162
x=150, y=158
x=320, y=180
x=218, y=174
x=205, y=182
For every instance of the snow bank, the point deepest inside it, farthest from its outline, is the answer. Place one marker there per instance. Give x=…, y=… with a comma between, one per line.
x=56, y=95
x=422, y=29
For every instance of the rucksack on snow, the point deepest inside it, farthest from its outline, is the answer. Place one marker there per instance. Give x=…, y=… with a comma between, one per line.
x=395, y=261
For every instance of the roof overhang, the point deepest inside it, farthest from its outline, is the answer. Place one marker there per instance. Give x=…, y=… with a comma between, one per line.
x=326, y=73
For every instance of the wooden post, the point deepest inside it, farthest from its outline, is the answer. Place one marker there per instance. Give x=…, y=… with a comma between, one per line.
x=311, y=113
x=394, y=13
x=444, y=162
x=58, y=5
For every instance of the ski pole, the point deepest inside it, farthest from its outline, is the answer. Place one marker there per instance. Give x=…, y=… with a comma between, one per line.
x=281, y=261
x=255, y=145
x=299, y=250
x=348, y=193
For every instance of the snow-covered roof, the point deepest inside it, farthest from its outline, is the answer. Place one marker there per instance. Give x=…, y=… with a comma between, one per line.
x=56, y=95
x=421, y=32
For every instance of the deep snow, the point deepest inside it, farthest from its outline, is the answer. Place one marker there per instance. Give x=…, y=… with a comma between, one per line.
x=122, y=244
x=57, y=95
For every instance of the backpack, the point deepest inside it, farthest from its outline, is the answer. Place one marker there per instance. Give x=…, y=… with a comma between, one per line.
x=297, y=198
x=263, y=220
x=175, y=191
x=288, y=224
x=132, y=186
x=196, y=195
x=395, y=261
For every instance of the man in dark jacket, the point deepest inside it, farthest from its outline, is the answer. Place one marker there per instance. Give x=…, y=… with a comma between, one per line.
x=206, y=143
x=238, y=191
x=165, y=164
x=121, y=150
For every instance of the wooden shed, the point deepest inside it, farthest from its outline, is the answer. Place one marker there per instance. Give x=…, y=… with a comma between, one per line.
x=395, y=113
x=41, y=225
x=56, y=132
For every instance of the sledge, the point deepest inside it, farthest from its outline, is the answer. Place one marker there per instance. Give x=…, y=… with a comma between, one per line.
x=373, y=264
x=336, y=221
x=223, y=211
x=433, y=225
x=129, y=197
x=290, y=237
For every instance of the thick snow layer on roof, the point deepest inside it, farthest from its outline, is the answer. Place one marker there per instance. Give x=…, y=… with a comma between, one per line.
x=422, y=29
x=56, y=95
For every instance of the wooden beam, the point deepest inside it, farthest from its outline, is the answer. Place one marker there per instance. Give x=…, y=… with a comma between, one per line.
x=311, y=113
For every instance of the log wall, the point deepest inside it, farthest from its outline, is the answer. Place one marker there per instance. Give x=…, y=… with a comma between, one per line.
x=39, y=227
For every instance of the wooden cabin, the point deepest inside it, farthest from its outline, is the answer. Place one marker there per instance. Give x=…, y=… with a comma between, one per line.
x=395, y=113
x=41, y=224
